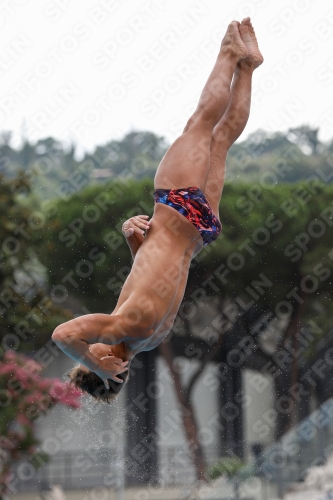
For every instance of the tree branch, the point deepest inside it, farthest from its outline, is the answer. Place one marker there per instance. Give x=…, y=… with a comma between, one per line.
x=166, y=352
x=209, y=357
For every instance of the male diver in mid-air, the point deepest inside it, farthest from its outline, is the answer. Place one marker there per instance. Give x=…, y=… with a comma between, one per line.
x=188, y=186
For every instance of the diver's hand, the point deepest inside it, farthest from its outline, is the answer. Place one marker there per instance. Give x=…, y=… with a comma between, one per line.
x=109, y=367
x=138, y=224
x=100, y=350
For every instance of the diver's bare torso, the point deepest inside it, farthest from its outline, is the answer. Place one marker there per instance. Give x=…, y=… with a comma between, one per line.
x=153, y=291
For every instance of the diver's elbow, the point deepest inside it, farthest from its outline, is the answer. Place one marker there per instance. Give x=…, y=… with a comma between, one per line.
x=60, y=334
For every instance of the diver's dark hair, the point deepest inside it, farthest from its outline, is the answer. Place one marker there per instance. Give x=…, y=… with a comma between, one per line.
x=92, y=384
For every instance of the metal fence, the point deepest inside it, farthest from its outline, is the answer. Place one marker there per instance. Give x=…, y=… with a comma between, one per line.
x=78, y=469
x=70, y=469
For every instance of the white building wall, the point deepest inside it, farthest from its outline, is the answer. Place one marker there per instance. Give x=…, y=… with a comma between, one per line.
x=259, y=413
x=169, y=422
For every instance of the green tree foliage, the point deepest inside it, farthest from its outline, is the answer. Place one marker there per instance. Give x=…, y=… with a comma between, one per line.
x=226, y=466
x=82, y=246
x=137, y=155
x=279, y=236
x=284, y=233
x=28, y=316
x=54, y=171
x=306, y=137
x=281, y=157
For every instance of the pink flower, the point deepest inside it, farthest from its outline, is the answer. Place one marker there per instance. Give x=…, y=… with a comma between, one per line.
x=23, y=420
x=58, y=389
x=22, y=374
x=33, y=398
x=10, y=355
x=29, y=395
x=45, y=384
x=66, y=394
x=33, y=367
x=9, y=367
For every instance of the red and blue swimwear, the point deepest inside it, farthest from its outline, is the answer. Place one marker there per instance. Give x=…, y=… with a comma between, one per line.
x=193, y=204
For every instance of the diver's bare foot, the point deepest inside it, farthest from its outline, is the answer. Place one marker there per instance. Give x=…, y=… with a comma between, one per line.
x=233, y=43
x=254, y=58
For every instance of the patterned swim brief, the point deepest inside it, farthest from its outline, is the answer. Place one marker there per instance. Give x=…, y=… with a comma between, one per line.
x=193, y=204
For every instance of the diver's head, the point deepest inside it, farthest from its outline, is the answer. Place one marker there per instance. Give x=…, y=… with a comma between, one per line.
x=92, y=384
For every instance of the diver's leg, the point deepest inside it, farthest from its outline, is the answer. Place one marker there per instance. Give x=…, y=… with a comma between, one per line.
x=233, y=122
x=225, y=133
x=187, y=161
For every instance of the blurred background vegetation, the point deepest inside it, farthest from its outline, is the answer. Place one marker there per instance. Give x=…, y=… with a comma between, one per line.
x=293, y=156
x=63, y=252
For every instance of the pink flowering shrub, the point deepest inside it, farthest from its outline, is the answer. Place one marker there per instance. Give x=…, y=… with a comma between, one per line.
x=25, y=396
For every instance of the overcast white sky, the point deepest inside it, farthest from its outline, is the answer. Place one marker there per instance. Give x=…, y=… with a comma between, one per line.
x=89, y=71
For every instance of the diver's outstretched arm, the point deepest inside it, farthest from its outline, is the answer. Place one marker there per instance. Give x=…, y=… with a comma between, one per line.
x=75, y=336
